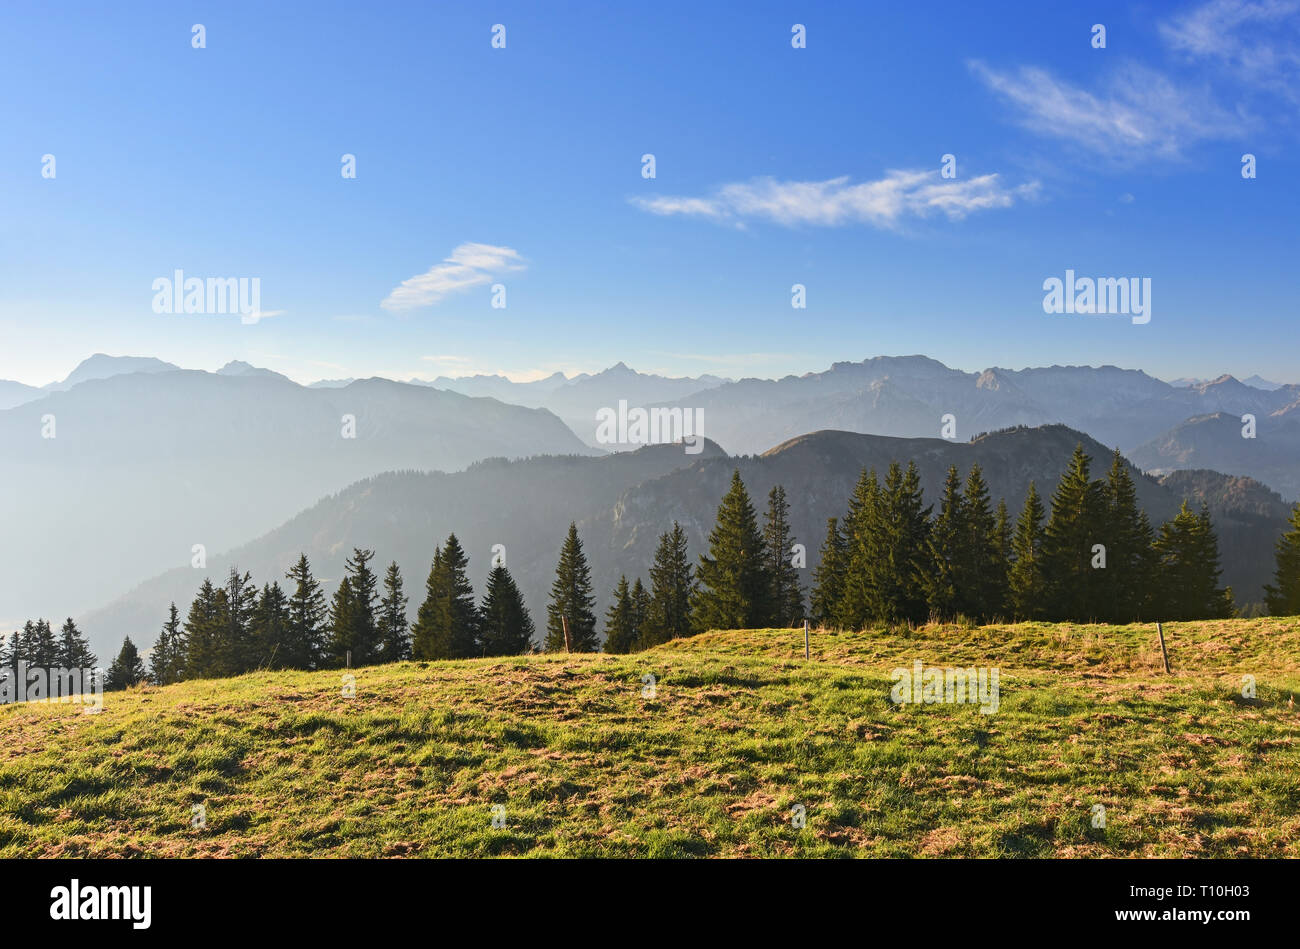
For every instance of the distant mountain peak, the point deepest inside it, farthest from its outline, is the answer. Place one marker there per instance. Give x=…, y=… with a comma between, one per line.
x=102, y=366
x=236, y=367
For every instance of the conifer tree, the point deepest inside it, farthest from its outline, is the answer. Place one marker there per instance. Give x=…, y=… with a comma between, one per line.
x=505, y=627
x=1072, y=586
x=828, y=578
x=1124, y=586
x=571, y=597
x=427, y=641
x=353, y=626
x=785, y=595
x=672, y=590
x=308, y=616
x=204, y=628
x=126, y=670
x=735, y=584
x=446, y=625
x=10, y=652
x=394, y=627
x=896, y=561
x=947, y=556
x=271, y=629
x=341, y=623
x=620, y=631
x=862, y=535
x=238, y=651
x=42, y=646
x=983, y=575
x=166, y=657
x=1002, y=533
x=1187, y=555
x=1026, y=573
x=1282, y=596
x=74, y=649
x=640, y=613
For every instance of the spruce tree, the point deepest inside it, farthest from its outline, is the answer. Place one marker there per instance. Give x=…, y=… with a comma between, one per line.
x=353, y=626
x=394, y=627
x=861, y=532
x=428, y=640
x=1026, y=585
x=571, y=597
x=446, y=625
x=126, y=670
x=785, y=595
x=672, y=590
x=505, y=627
x=947, y=555
x=238, y=651
x=983, y=576
x=1072, y=586
x=308, y=616
x=1002, y=532
x=1187, y=556
x=828, y=578
x=735, y=583
x=896, y=550
x=640, y=613
x=204, y=628
x=74, y=649
x=166, y=658
x=42, y=646
x=620, y=631
x=271, y=629
x=1282, y=596
x=1125, y=583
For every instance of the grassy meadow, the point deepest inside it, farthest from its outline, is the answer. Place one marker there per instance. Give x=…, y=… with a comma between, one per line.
x=739, y=730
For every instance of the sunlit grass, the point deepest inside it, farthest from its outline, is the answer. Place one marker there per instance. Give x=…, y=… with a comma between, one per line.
x=740, y=729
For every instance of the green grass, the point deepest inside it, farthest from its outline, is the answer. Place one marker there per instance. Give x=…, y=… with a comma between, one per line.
x=741, y=729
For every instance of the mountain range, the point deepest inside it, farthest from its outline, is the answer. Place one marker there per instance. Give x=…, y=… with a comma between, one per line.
x=622, y=502
x=149, y=460
x=142, y=466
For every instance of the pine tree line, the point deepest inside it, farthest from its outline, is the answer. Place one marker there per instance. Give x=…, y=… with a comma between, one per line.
x=37, y=645
x=1092, y=557
x=1089, y=554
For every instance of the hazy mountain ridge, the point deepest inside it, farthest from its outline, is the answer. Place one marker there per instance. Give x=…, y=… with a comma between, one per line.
x=622, y=502
x=909, y=395
x=905, y=396
x=1215, y=441
x=145, y=465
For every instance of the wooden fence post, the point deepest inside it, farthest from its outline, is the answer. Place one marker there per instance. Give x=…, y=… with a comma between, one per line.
x=568, y=643
x=1165, y=655
x=805, y=639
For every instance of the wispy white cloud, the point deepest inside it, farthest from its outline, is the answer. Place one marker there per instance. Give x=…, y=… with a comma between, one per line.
x=883, y=203
x=1140, y=113
x=470, y=265
x=1258, y=41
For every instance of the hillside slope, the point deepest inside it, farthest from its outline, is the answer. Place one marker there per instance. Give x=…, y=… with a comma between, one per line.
x=143, y=466
x=623, y=502
x=739, y=730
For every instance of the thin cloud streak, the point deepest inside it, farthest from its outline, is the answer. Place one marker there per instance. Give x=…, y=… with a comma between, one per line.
x=470, y=265
x=884, y=203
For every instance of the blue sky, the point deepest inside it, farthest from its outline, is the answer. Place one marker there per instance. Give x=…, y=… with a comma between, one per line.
x=774, y=166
